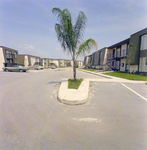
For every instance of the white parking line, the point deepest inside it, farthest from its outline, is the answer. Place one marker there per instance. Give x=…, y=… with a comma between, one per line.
x=134, y=92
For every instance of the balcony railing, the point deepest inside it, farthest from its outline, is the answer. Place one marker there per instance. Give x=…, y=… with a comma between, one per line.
x=117, y=55
x=123, y=53
x=10, y=64
x=11, y=56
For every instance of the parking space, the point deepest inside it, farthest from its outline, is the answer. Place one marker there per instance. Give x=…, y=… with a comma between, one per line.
x=141, y=89
x=122, y=113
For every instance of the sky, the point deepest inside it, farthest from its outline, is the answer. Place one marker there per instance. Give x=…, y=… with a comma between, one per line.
x=28, y=25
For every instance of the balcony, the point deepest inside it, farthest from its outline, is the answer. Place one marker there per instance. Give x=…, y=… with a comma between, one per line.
x=10, y=56
x=117, y=55
x=9, y=64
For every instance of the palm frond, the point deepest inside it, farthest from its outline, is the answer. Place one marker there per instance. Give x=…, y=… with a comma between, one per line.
x=80, y=26
x=86, y=47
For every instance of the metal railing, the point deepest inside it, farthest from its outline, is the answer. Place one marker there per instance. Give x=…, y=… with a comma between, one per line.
x=10, y=64
x=12, y=56
x=117, y=55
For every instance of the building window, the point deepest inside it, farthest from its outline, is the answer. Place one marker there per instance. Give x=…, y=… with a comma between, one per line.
x=8, y=52
x=36, y=59
x=122, y=65
x=15, y=54
x=143, y=45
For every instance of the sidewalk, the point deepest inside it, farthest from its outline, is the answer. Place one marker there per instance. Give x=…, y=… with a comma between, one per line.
x=80, y=95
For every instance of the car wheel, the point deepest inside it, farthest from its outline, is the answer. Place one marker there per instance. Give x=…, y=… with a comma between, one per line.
x=6, y=70
x=20, y=70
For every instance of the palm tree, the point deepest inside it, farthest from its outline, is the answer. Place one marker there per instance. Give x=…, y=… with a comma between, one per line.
x=71, y=36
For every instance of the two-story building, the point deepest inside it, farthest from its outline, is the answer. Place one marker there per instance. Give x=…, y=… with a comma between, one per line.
x=8, y=57
x=28, y=60
x=127, y=55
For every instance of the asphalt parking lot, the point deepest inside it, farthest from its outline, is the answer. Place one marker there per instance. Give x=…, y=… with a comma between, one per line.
x=31, y=117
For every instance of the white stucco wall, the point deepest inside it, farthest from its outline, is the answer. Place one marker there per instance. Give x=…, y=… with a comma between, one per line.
x=142, y=64
x=71, y=63
x=62, y=63
x=133, y=68
x=26, y=61
x=123, y=49
x=2, y=60
x=32, y=61
x=124, y=67
x=105, y=57
x=45, y=62
x=55, y=62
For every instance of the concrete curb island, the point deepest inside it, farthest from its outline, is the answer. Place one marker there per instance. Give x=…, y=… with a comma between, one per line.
x=73, y=96
x=80, y=95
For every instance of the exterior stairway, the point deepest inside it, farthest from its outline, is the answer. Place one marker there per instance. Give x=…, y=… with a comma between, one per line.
x=109, y=64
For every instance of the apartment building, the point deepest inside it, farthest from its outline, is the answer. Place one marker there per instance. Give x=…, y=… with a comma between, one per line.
x=54, y=62
x=137, y=55
x=80, y=63
x=96, y=60
x=45, y=62
x=62, y=62
x=28, y=60
x=8, y=57
x=117, y=56
x=127, y=55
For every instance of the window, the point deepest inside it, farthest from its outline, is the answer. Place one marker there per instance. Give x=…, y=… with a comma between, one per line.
x=8, y=52
x=143, y=45
x=36, y=59
x=122, y=65
x=15, y=54
x=118, y=52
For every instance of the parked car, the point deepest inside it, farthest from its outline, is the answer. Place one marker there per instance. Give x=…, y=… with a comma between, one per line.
x=35, y=67
x=52, y=66
x=15, y=68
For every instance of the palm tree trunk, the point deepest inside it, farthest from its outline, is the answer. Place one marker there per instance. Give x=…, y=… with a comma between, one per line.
x=74, y=67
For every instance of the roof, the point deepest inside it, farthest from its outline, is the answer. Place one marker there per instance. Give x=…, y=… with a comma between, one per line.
x=9, y=48
x=119, y=44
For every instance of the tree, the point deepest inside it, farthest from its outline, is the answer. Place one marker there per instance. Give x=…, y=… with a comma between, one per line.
x=71, y=36
x=130, y=56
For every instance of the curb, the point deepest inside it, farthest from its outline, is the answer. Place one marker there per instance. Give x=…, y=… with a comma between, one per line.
x=73, y=96
x=80, y=95
x=97, y=74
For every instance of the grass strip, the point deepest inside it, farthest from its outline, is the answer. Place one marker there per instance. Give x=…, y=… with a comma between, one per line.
x=63, y=67
x=128, y=76
x=74, y=85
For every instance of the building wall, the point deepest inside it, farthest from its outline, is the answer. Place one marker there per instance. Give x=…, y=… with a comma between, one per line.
x=2, y=60
x=21, y=60
x=133, y=68
x=143, y=64
x=123, y=65
x=26, y=61
x=135, y=40
x=32, y=60
x=10, y=60
x=56, y=62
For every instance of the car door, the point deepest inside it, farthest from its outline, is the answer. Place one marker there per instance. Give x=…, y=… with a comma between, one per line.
x=15, y=68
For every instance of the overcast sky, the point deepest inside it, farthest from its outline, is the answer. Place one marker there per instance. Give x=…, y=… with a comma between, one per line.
x=28, y=25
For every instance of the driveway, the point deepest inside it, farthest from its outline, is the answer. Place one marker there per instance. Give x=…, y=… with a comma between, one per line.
x=32, y=118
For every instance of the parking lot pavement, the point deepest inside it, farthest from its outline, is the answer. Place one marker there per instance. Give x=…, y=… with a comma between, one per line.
x=31, y=117
x=139, y=88
x=123, y=114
